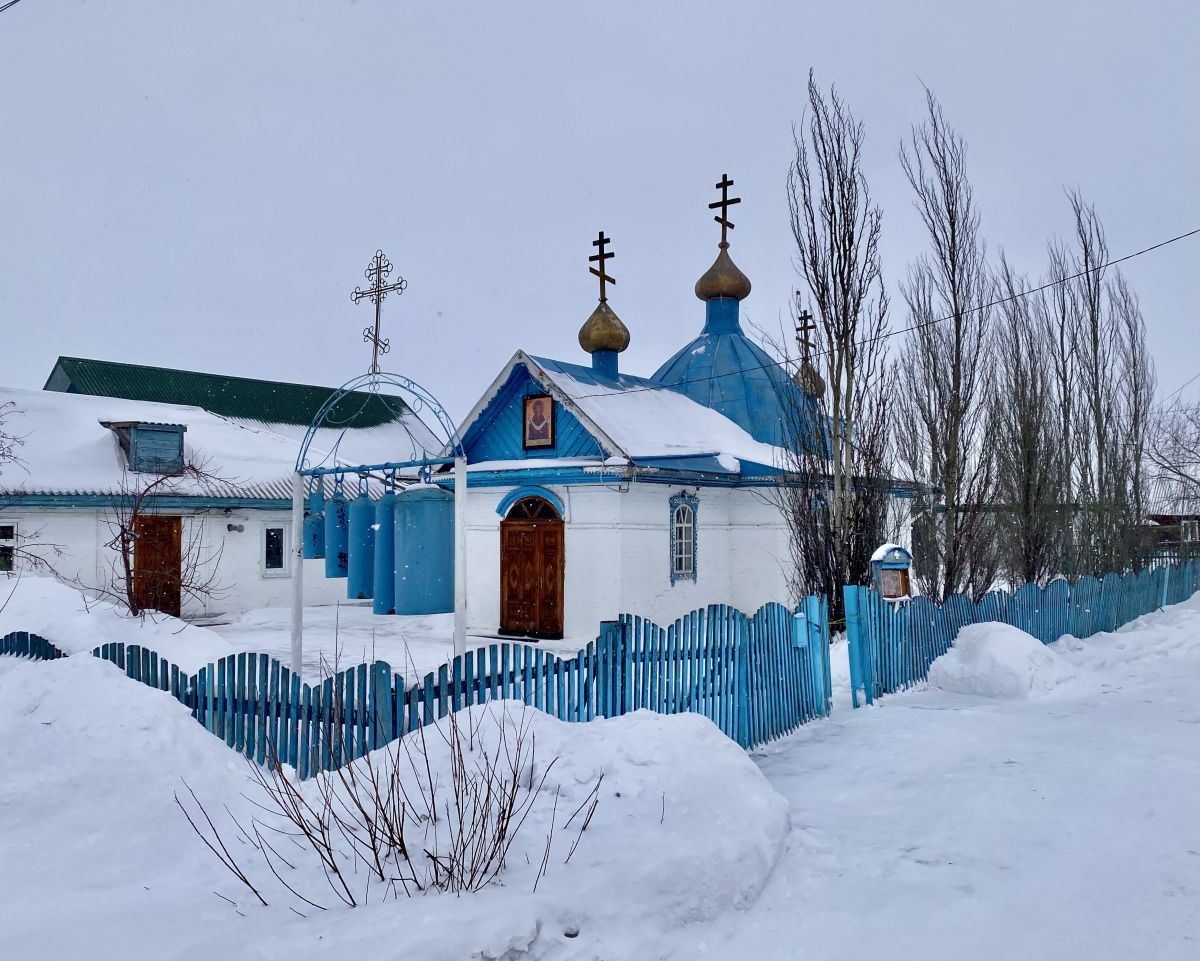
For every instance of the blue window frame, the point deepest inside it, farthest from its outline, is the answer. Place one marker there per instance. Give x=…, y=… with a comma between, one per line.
x=684, y=510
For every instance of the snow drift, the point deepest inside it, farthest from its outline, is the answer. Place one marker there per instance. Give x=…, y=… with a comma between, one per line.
x=998, y=660
x=686, y=828
x=76, y=623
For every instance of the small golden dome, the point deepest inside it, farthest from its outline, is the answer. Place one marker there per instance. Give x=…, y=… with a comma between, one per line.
x=809, y=381
x=603, y=331
x=723, y=279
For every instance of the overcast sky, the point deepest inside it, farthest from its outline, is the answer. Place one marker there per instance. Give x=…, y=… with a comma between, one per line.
x=200, y=185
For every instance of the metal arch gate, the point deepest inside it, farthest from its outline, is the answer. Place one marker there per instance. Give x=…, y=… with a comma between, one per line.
x=449, y=450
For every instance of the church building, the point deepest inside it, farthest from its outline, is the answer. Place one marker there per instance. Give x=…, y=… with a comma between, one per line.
x=594, y=491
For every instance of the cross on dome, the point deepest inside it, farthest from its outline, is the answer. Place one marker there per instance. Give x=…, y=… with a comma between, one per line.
x=724, y=203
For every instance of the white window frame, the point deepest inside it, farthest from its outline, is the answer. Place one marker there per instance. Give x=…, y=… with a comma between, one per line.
x=286, y=570
x=1189, y=531
x=683, y=538
x=10, y=542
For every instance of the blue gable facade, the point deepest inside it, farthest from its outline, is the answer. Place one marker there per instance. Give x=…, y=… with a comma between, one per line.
x=497, y=435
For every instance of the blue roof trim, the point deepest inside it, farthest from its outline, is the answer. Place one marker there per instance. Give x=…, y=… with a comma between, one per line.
x=517, y=493
x=173, y=503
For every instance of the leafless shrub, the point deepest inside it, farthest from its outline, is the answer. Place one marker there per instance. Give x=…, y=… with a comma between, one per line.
x=135, y=590
x=393, y=823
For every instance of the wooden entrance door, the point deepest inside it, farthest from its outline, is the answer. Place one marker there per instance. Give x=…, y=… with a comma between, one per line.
x=156, y=563
x=532, y=559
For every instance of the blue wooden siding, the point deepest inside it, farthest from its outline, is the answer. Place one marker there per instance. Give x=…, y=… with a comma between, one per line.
x=892, y=643
x=756, y=678
x=497, y=434
x=156, y=448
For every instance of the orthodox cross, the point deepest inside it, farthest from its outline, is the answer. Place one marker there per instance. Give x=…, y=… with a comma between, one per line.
x=724, y=203
x=805, y=325
x=378, y=271
x=601, y=241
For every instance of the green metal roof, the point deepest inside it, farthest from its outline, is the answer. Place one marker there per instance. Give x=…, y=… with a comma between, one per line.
x=264, y=400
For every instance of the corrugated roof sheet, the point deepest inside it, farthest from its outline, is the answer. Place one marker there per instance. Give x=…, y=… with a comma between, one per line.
x=227, y=396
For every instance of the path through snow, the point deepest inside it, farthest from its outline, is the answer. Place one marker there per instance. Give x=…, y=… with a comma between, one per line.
x=941, y=826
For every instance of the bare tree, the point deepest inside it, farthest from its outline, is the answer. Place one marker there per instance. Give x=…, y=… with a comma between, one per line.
x=1134, y=404
x=1113, y=391
x=28, y=549
x=946, y=365
x=834, y=489
x=127, y=520
x=1026, y=429
x=1097, y=351
x=1174, y=450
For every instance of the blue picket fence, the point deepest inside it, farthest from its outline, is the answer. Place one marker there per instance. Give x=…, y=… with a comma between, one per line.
x=24, y=644
x=892, y=643
x=755, y=677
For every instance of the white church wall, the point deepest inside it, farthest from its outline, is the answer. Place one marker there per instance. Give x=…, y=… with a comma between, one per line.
x=73, y=543
x=65, y=540
x=646, y=541
x=618, y=552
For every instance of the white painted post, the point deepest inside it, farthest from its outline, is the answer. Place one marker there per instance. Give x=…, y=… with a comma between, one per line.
x=460, y=555
x=297, y=572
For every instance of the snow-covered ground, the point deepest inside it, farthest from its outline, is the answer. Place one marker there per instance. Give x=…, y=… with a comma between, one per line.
x=349, y=633
x=1052, y=813
x=341, y=635
x=936, y=825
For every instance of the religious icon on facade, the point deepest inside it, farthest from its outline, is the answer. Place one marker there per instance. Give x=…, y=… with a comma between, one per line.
x=539, y=422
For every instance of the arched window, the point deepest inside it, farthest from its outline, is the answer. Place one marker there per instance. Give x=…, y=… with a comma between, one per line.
x=683, y=537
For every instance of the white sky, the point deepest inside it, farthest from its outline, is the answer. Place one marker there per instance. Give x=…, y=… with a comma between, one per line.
x=201, y=184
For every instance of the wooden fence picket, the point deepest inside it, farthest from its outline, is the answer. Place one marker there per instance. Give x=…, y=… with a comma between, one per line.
x=893, y=643
x=754, y=677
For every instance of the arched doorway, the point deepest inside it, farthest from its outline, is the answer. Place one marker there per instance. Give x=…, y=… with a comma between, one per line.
x=532, y=560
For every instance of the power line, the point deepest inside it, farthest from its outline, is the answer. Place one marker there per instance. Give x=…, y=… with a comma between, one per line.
x=926, y=323
x=1190, y=380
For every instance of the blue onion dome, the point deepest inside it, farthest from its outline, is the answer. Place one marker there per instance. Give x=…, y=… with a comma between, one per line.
x=726, y=371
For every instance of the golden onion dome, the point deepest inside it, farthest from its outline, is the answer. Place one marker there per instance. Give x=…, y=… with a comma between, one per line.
x=723, y=279
x=603, y=331
x=809, y=380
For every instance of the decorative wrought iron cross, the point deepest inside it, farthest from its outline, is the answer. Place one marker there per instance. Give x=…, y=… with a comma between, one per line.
x=724, y=203
x=378, y=271
x=601, y=241
x=805, y=325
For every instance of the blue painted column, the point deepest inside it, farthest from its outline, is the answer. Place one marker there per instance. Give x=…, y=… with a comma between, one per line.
x=360, y=562
x=336, y=535
x=385, y=554
x=424, y=551
x=314, y=525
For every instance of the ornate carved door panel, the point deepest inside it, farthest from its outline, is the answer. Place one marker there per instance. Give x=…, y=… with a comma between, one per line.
x=531, y=570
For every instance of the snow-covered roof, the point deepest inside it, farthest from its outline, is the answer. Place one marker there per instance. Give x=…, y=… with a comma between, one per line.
x=403, y=439
x=651, y=422
x=640, y=420
x=67, y=450
x=882, y=551
x=1171, y=497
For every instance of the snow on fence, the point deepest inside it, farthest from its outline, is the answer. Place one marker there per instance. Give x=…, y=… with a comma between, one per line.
x=892, y=643
x=24, y=644
x=756, y=678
